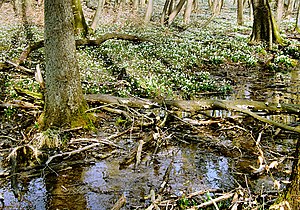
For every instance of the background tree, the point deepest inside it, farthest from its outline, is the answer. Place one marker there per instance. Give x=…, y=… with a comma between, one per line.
x=279, y=11
x=81, y=28
x=64, y=102
x=240, y=7
x=98, y=13
x=264, y=25
x=149, y=11
x=297, y=28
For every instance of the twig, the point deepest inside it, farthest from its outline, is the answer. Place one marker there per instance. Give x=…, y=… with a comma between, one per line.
x=216, y=200
x=139, y=153
x=19, y=67
x=120, y=203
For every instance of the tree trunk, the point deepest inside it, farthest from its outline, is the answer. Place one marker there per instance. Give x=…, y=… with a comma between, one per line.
x=81, y=28
x=292, y=193
x=216, y=7
x=164, y=12
x=25, y=10
x=97, y=15
x=64, y=102
x=297, y=28
x=290, y=8
x=149, y=11
x=188, y=11
x=240, y=9
x=176, y=11
x=279, y=11
x=264, y=26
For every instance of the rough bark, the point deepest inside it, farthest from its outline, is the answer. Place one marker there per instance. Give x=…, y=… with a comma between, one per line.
x=81, y=28
x=64, y=102
x=292, y=193
x=264, y=25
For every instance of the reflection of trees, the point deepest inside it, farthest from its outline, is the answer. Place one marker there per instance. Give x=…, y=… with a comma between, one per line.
x=294, y=88
x=63, y=191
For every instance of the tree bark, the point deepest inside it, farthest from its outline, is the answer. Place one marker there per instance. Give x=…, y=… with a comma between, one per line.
x=290, y=8
x=97, y=15
x=176, y=11
x=81, y=28
x=188, y=11
x=164, y=12
x=279, y=11
x=64, y=102
x=240, y=9
x=292, y=193
x=297, y=28
x=149, y=11
x=264, y=26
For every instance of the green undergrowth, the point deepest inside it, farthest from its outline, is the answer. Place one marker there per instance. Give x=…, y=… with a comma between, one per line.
x=173, y=63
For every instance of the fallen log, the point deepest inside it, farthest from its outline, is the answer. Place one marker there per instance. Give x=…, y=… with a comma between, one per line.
x=82, y=42
x=243, y=106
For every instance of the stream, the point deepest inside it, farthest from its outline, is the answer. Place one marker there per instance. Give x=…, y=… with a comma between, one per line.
x=195, y=166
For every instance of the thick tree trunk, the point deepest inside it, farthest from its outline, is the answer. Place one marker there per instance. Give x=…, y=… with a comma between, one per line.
x=240, y=9
x=81, y=28
x=64, y=102
x=264, y=26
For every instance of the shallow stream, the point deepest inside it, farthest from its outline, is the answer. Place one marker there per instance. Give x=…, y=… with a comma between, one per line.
x=195, y=166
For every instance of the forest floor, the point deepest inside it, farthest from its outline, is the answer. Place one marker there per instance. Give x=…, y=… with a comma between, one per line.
x=155, y=157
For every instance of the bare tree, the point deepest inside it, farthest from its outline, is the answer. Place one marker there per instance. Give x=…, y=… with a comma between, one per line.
x=64, y=102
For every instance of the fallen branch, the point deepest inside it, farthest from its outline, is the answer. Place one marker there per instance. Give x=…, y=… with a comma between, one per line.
x=68, y=154
x=120, y=203
x=209, y=104
x=211, y=202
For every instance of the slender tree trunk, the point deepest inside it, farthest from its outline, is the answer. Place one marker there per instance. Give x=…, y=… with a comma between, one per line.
x=25, y=10
x=279, y=11
x=176, y=11
x=297, y=28
x=135, y=5
x=81, y=28
x=240, y=9
x=264, y=25
x=290, y=9
x=292, y=193
x=216, y=7
x=149, y=11
x=97, y=15
x=164, y=12
x=64, y=102
x=188, y=11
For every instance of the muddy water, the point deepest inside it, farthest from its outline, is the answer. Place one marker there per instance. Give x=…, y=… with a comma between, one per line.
x=194, y=168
